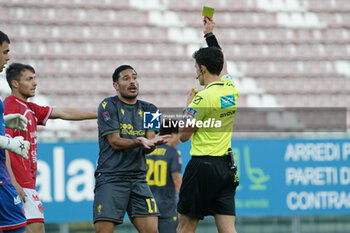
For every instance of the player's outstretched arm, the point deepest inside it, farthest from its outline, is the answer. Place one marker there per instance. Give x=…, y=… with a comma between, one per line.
x=15, y=121
x=210, y=38
x=119, y=143
x=16, y=145
x=71, y=114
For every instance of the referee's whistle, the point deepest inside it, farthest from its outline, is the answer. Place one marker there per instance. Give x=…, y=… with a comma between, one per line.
x=195, y=90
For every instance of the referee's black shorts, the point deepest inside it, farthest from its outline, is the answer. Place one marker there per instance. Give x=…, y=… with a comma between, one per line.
x=207, y=188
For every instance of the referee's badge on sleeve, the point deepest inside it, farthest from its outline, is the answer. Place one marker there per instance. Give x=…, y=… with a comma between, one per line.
x=190, y=113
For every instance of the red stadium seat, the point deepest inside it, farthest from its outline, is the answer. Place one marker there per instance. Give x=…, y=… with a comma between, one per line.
x=76, y=45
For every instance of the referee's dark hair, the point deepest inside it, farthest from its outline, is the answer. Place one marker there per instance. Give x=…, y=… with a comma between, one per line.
x=210, y=57
x=13, y=72
x=120, y=69
x=170, y=127
x=3, y=38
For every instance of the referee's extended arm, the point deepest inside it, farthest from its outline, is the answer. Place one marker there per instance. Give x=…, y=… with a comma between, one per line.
x=208, y=27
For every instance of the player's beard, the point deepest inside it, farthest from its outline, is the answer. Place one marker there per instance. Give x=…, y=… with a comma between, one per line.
x=129, y=96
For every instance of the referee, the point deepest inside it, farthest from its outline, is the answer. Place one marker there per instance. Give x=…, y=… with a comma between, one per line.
x=210, y=179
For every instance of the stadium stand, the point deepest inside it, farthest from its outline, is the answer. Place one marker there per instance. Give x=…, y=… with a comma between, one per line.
x=282, y=53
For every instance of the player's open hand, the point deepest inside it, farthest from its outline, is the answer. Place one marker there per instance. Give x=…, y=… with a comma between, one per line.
x=208, y=24
x=146, y=143
x=161, y=140
x=16, y=121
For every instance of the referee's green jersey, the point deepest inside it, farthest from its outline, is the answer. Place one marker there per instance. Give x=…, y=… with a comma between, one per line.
x=215, y=107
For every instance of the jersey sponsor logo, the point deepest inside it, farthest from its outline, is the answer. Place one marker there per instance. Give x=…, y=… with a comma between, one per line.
x=129, y=129
x=230, y=113
x=104, y=104
x=197, y=99
x=16, y=200
x=227, y=101
x=190, y=113
x=140, y=113
x=35, y=197
x=106, y=116
x=151, y=120
x=99, y=208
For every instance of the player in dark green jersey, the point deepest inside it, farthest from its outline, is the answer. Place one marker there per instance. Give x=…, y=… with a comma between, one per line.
x=210, y=179
x=121, y=184
x=164, y=178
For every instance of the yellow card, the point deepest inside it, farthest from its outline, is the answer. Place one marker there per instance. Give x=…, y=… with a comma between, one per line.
x=208, y=11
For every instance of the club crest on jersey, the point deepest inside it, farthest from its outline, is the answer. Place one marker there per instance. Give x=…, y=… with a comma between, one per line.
x=106, y=116
x=122, y=111
x=41, y=208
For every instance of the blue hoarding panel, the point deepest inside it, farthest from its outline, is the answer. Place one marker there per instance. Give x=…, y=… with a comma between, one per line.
x=293, y=177
x=277, y=177
x=65, y=180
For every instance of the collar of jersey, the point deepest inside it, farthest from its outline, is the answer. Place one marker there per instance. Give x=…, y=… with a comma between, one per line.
x=220, y=83
x=127, y=105
x=14, y=97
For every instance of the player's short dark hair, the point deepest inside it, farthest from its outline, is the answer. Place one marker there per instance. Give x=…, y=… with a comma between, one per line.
x=13, y=72
x=210, y=57
x=120, y=69
x=170, y=127
x=3, y=38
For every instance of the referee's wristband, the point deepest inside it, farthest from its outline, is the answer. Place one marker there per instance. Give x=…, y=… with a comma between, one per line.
x=206, y=35
x=211, y=40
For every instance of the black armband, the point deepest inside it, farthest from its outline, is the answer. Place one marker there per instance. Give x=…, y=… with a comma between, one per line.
x=211, y=40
